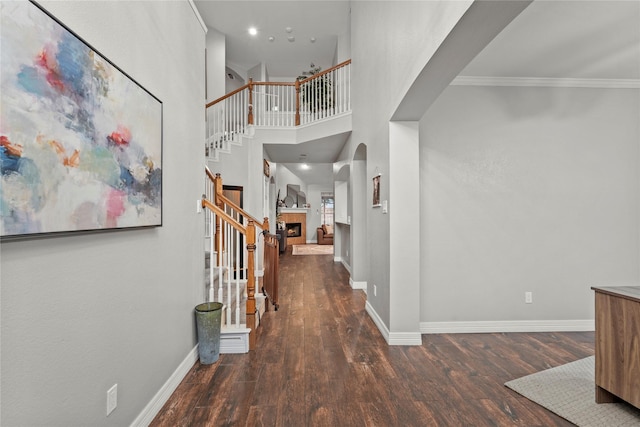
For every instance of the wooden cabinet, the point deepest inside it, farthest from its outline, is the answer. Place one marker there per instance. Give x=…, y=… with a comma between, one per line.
x=617, y=373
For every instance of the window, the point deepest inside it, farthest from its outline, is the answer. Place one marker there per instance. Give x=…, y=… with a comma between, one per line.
x=326, y=208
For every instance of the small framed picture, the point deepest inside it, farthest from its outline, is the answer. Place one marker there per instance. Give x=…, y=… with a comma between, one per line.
x=376, y=191
x=266, y=168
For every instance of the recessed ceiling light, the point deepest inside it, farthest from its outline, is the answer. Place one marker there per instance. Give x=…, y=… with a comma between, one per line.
x=253, y=31
x=305, y=166
x=288, y=29
x=291, y=39
x=271, y=38
x=312, y=39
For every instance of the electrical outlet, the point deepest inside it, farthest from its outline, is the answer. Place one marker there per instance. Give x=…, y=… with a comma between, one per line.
x=375, y=289
x=528, y=297
x=112, y=398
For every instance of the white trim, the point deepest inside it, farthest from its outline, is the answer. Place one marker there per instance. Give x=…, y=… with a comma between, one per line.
x=393, y=338
x=357, y=285
x=377, y=320
x=346, y=266
x=259, y=272
x=507, y=326
x=337, y=259
x=162, y=396
x=546, y=82
x=405, y=338
x=198, y=16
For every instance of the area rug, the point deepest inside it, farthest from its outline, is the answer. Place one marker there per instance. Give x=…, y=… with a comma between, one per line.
x=312, y=249
x=569, y=391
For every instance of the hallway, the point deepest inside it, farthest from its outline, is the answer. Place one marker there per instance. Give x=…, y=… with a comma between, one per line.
x=322, y=362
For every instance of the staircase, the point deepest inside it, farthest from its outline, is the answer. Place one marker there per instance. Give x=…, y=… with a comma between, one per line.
x=230, y=278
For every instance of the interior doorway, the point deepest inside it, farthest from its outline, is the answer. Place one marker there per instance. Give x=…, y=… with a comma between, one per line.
x=235, y=194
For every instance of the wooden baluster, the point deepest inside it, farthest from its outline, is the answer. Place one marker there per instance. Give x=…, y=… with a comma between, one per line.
x=297, y=102
x=265, y=224
x=251, y=283
x=250, y=118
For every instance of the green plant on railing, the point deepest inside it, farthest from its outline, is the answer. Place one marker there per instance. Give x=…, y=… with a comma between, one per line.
x=317, y=93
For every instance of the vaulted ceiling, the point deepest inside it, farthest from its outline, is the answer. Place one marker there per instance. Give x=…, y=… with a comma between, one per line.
x=577, y=39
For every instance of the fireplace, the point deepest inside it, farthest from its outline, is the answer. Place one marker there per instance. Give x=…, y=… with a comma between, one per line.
x=296, y=226
x=294, y=229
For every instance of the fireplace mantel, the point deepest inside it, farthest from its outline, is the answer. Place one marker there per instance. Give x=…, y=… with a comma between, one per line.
x=293, y=210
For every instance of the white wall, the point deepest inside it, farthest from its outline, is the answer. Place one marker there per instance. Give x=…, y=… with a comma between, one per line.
x=527, y=189
x=284, y=177
x=216, y=71
x=81, y=313
x=404, y=39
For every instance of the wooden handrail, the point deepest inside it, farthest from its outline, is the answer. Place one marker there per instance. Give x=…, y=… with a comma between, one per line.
x=274, y=83
x=327, y=71
x=229, y=95
x=222, y=198
x=222, y=214
x=209, y=173
x=252, y=83
x=241, y=211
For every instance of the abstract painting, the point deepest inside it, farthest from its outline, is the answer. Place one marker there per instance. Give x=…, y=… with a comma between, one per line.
x=80, y=140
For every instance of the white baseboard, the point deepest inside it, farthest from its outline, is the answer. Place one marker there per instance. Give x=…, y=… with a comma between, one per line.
x=162, y=396
x=337, y=259
x=405, y=338
x=393, y=338
x=346, y=266
x=507, y=326
x=357, y=285
x=377, y=320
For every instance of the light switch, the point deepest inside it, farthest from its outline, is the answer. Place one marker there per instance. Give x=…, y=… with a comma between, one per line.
x=385, y=207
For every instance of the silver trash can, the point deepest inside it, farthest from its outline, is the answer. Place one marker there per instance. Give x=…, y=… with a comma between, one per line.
x=208, y=320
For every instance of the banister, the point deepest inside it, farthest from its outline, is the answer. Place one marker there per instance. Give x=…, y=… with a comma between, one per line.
x=222, y=214
x=274, y=83
x=229, y=95
x=327, y=71
x=209, y=173
x=241, y=211
x=276, y=104
x=222, y=198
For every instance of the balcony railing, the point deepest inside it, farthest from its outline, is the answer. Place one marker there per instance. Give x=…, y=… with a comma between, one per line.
x=278, y=104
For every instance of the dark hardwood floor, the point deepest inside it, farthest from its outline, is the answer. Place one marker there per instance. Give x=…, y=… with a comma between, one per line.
x=322, y=362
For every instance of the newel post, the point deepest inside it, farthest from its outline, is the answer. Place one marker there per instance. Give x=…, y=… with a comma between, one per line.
x=266, y=224
x=251, y=283
x=250, y=118
x=219, y=238
x=297, y=102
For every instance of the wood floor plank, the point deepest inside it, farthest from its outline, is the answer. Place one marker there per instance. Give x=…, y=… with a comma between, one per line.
x=321, y=361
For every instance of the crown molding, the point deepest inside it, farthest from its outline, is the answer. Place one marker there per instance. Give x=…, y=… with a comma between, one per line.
x=546, y=82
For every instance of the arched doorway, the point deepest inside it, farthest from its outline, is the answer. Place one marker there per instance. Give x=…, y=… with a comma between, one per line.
x=358, y=221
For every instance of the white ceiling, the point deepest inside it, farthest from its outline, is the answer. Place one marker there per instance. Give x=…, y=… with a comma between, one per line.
x=582, y=39
x=323, y=20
